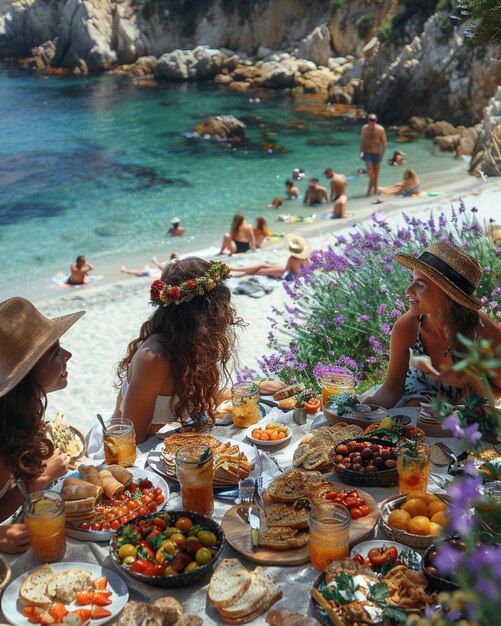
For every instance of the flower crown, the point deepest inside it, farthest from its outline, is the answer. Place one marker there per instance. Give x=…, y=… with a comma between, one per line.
x=163, y=295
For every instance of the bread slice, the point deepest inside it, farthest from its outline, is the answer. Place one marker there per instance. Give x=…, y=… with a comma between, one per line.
x=252, y=598
x=63, y=587
x=136, y=613
x=228, y=583
x=274, y=594
x=171, y=608
x=287, y=515
x=283, y=617
x=288, y=487
x=33, y=591
x=282, y=538
x=289, y=391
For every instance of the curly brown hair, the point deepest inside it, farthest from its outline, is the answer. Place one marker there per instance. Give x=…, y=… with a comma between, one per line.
x=459, y=319
x=198, y=336
x=23, y=443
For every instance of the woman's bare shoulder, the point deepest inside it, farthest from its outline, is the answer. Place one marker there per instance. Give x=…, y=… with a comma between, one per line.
x=151, y=354
x=406, y=326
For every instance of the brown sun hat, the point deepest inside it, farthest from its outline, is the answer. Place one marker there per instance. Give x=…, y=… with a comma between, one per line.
x=297, y=246
x=25, y=336
x=450, y=268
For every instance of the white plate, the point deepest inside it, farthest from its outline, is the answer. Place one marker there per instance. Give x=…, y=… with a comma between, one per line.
x=364, y=547
x=262, y=424
x=156, y=462
x=12, y=607
x=72, y=529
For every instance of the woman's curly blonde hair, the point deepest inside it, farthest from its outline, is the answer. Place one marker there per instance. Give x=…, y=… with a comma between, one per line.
x=198, y=335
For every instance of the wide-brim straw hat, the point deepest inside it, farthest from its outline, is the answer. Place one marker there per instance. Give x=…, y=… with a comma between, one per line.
x=450, y=268
x=25, y=336
x=297, y=246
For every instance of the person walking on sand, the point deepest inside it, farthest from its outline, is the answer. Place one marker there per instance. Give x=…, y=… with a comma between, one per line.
x=373, y=145
x=79, y=271
x=291, y=190
x=410, y=186
x=176, y=230
x=315, y=194
x=338, y=193
x=240, y=238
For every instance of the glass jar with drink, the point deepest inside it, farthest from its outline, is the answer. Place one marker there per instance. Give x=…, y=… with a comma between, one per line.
x=119, y=441
x=45, y=518
x=413, y=466
x=245, y=400
x=329, y=534
x=338, y=379
x=194, y=471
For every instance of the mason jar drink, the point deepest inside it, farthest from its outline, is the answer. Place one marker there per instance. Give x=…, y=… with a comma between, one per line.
x=245, y=400
x=45, y=518
x=334, y=384
x=413, y=466
x=119, y=442
x=329, y=534
x=194, y=471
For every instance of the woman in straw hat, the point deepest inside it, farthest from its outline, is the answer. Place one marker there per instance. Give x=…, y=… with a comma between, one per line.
x=173, y=369
x=441, y=306
x=299, y=252
x=32, y=364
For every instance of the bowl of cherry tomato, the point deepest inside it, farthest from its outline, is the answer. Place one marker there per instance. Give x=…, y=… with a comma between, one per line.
x=267, y=433
x=169, y=548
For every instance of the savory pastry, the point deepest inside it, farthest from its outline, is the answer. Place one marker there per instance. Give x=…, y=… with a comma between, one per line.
x=112, y=488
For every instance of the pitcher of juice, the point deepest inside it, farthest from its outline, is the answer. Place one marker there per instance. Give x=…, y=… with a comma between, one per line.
x=45, y=518
x=119, y=442
x=329, y=534
x=245, y=400
x=413, y=466
x=194, y=471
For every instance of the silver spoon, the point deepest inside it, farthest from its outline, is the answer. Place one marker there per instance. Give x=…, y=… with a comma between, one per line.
x=100, y=418
x=24, y=492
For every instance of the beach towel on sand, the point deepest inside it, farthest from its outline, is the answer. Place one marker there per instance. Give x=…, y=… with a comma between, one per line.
x=59, y=280
x=251, y=286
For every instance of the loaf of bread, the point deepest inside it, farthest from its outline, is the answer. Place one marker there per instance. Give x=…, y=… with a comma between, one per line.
x=33, y=591
x=228, y=583
x=289, y=391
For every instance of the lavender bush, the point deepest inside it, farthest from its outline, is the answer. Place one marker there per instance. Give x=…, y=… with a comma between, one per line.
x=342, y=307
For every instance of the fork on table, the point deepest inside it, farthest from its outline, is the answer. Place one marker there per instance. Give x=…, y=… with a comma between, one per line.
x=246, y=489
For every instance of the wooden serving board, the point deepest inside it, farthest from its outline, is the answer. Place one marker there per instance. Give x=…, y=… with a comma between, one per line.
x=237, y=533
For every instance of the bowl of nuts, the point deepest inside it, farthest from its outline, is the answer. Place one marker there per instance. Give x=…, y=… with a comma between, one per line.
x=365, y=461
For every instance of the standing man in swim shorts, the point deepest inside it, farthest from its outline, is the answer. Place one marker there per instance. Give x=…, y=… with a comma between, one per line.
x=338, y=193
x=373, y=145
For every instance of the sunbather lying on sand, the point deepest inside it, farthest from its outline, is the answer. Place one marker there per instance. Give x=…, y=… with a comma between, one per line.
x=410, y=186
x=299, y=253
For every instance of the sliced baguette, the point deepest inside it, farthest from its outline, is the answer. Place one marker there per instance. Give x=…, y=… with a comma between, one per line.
x=282, y=538
x=63, y=587
x=287, y=515
x=33, y=591
x=288, y=487
x=289, y=391
x=252, y=599
x=228, y=583
x=274, y=594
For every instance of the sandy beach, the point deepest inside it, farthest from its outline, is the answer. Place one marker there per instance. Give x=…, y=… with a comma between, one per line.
x=114, y=312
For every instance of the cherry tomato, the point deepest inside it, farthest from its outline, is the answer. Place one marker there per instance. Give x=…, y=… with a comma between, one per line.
x=97, y=526
x=159, y=523
x=360, y=501
x=145, y=498
x=152, y=506
x=312, y=406
x=85, y=526
x=132, y=505
x=142, y=511
x=123, y=520
x=379, y=556
x=358, y=558
x=350, y=503
x=145, y=484
x=132, y=488
x=115, y=524
x=356, y=513
x=183, y=523
x=365, y=510
x=106, y=526
x=160, y=499
x=157, y=491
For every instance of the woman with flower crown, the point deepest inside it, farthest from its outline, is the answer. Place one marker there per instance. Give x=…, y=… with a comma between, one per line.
x=174, y=368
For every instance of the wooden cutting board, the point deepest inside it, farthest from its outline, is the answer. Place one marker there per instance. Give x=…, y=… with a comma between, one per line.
x=237, y=534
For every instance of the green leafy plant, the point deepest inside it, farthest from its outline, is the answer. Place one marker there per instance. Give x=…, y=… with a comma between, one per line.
x=344, y=402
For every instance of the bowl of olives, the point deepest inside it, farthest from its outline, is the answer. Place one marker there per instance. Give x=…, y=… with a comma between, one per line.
x=365, y=461
x=168, y=549
x=438, y=581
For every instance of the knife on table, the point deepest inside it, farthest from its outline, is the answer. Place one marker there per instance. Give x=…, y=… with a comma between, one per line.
x=255, y=524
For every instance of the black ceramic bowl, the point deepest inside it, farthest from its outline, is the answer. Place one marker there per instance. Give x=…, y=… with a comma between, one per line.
x=182, y=579
x=381, y=478
x=435, y=581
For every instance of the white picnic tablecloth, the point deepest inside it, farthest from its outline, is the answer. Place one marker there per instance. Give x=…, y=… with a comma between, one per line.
x=295, y=581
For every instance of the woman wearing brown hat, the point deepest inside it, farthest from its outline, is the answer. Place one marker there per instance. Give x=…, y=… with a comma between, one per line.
x=441, y=306
x=32, y=364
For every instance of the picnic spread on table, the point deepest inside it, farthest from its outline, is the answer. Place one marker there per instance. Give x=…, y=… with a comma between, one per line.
x=251, y=544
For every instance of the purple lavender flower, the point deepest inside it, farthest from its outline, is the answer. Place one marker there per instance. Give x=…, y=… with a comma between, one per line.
x=447, y=559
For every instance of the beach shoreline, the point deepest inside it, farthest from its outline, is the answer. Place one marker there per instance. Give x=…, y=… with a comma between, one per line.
x=114, y=312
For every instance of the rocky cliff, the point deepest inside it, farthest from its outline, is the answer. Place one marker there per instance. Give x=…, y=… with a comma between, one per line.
x=428, y=71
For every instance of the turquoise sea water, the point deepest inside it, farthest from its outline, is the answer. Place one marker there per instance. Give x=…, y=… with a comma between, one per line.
x=99, y=166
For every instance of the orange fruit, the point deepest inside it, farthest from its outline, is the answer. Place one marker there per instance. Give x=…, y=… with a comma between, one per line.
x=440, y=518
x=420, y=525
x=415, y=506
x=435, y=529
x=399, y=519
x=435, y=507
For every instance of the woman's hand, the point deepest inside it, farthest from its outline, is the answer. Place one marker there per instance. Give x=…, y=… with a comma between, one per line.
x=55, y=467
x=456, y=379
x=14, y=538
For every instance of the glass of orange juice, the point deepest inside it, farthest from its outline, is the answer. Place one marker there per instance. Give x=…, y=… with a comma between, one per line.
x=245, y=400
x=413, y=466
x=329, y=534
x=334, y=384
x=119, y=442
x=45, y=518
x=194, y=471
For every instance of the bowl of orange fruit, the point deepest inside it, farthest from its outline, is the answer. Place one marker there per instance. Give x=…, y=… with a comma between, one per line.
x=415, y=519
x=266, y=433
